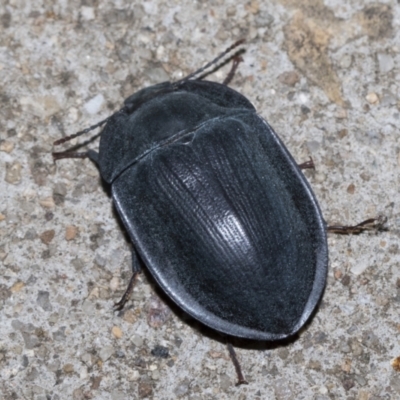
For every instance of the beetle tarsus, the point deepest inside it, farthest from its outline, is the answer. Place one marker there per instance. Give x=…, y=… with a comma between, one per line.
x=128, y=292
x=239, y=373
x=236, y=61
x=371, y=224
x=308, y=164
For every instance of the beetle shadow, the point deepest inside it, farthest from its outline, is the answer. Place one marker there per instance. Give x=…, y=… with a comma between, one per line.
x=210, y=333
x=249, y=344
x=198, y=326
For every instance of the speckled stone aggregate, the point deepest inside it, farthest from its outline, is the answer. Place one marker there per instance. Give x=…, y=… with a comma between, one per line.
x=326, y=75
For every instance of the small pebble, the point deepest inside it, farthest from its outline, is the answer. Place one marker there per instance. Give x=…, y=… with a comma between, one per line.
x=71, y=232
x=93, y=106
x=338, y=274
x=215, y=354
x=116, y=331
x=83, y=373
x=13, y=173
x=346, y=365
x=120, y=354
x=145, y=390
x=47, y=202
x=96, y=382
x=363, y=395
x=94, y=293
x=323, y=390
x=158, y=313
x=320, y=177
x=17, y=287
x=382, y=301
x=160, y=352
x=231, y=11
x=2, y=217
x=395, y=363
x=343, y=133
x=372, y=98
x=346, y=61
x=137, y=340
x=43, y=300
x=289, y=78
x=68, y=368
x=133, y=376
x=6, y=146
x=346, y=280
x=106, y=352
x=114, y=283
x=351, y=188
x=156, y=74
x=211, y=367
x=47, y=236
x=87, y=358
x=341, y=114
x=29, y=194
x=263, y=19
x=182, y=388
x=155, y=375
x=386, y=62
x=130, y=316
x=87, y=13
x=253, y=7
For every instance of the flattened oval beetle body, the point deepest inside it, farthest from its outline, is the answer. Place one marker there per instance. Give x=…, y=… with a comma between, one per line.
x=216, y=207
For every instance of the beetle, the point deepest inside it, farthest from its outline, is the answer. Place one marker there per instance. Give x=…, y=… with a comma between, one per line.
x=216, y=207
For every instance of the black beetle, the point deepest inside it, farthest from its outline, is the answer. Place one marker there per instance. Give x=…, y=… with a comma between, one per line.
x=216, y=207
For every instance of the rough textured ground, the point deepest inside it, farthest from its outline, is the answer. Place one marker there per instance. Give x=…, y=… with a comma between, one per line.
x=327, y=77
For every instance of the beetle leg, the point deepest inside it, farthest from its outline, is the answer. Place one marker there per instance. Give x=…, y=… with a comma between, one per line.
x=372, y=224
x=232, y=354
x=236, y=61
x=128, y=292
x=307, y=165
x=136, y=269
x=93, y=155
x=58, y=155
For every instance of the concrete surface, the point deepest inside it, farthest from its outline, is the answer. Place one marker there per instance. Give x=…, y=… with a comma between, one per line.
x=326, y=75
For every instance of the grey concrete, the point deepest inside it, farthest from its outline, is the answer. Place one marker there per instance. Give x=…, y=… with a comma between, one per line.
x=325, y=75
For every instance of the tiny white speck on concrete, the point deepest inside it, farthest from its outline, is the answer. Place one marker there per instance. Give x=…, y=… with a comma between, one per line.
x=386, y=62
x=87, y=13
x=359, y=267
x=303, y=98
x=93, y=106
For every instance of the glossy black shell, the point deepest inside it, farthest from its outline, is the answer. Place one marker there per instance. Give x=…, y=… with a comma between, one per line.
x=217, y=208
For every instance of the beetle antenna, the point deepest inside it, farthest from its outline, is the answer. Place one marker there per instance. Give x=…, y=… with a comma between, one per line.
x=190, y=76
x=213, y=62
x=86, y=130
